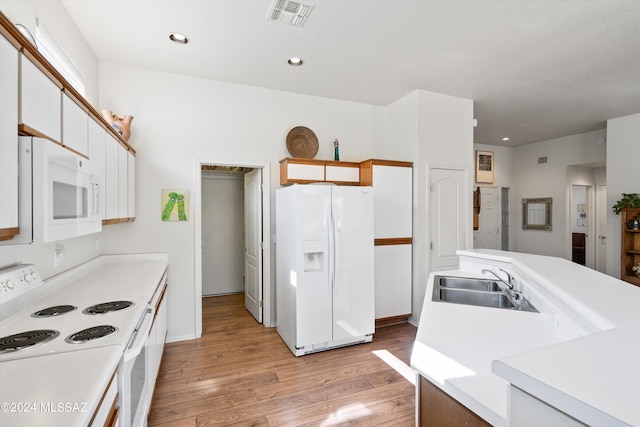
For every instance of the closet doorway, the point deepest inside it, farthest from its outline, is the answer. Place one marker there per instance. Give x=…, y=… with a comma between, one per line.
x=230, y=232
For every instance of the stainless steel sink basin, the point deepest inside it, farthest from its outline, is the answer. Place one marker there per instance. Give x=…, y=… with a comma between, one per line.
x=478, y=292
x=468, y=283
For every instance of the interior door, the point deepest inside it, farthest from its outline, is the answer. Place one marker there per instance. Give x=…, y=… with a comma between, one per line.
x=448, y=211
x=488, y=234
x=601, y=228
x=253, y=243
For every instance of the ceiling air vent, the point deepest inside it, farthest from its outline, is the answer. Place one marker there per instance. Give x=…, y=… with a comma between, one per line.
x=292, y=12
x=543, y=160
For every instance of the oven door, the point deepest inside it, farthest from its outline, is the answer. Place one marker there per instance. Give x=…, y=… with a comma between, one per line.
x=133, y=380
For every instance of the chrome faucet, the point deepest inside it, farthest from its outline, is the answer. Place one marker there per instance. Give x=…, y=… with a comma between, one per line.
x=512, y=285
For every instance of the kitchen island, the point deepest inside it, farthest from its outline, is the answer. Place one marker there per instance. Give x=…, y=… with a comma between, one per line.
x=573, y=362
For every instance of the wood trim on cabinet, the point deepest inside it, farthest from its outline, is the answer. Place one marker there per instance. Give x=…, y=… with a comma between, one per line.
x=387, y=241
x=286, y=180
x=31, y=52
x=117, y=220
x=9, y=233
x=393, y=320
x=158, y=303
x=25, y=130
x=366, y=168
x=104, y=394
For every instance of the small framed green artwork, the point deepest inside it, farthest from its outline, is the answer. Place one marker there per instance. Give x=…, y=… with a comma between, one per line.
x=175, y=204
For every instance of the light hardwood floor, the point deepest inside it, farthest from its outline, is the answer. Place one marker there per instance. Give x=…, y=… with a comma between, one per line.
x=242, y=374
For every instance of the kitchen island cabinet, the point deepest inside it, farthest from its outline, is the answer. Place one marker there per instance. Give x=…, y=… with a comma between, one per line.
x=8, y=139
x=513, y=367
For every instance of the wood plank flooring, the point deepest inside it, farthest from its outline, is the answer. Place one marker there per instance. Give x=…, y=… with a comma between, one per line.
x=242, y=374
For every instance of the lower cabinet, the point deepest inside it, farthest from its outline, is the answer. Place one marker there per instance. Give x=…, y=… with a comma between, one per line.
x=157, y=337
x=437, y=409
x=392, y=280
x=106, y=414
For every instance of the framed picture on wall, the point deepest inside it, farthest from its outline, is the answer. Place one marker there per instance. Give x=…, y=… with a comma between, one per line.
x=485, y=166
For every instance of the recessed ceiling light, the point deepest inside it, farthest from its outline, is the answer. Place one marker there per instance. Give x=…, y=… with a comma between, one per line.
x=178, y=38
x=295, y=62
x=506, y=138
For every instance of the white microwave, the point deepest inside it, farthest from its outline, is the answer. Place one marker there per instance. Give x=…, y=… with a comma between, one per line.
x=60, y=193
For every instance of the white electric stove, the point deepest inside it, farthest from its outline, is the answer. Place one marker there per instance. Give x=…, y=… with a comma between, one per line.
x=62, y=322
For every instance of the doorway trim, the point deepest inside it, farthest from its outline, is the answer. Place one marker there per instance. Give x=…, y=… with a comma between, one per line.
x=268, y=294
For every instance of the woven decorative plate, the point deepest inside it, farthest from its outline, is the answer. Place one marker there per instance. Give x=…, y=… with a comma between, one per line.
x=302, y=142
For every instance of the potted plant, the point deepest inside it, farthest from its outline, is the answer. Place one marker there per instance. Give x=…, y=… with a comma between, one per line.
x=628, y=200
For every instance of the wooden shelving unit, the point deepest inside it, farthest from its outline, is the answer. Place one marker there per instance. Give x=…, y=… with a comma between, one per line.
x=630, y=250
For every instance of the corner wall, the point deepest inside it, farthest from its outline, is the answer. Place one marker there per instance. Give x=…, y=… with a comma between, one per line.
x=623, y=176
x=531, y=179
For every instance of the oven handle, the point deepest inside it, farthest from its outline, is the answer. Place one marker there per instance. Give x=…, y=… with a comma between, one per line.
x=139, y=338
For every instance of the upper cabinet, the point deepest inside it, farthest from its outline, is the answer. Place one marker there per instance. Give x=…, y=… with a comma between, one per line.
x=393, y=195
x=306, y=171
x=40, y=101
x=36, y=100
x=75, y=126
x=9, y=58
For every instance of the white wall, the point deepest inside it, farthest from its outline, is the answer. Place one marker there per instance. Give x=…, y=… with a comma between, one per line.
x=502, y=162
x=181, y=121
x=445, y=140
x=222, y=234
x=550, y=180
x=623, y=176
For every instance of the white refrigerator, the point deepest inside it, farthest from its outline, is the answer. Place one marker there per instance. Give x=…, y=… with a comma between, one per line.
x=324, y=266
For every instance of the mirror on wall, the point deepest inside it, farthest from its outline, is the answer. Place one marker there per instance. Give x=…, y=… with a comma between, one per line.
x=536, y=213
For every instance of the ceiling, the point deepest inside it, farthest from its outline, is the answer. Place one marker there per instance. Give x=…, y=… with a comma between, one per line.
x=536, y=70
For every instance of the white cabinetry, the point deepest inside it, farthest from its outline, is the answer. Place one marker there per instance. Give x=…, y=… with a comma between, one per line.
x=393, y=224
x=120, y=170
x=158, y=335
x=306, y=171
x=8, y=139
x=123, y=182
x=131, y=185
x=111, y=151
x=40, y=101
x=75, y=123
x=97, y=139
x=393, y=280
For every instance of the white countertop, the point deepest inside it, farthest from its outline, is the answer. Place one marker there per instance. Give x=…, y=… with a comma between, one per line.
x=56, y=390
x=81, y=376
x=579, y=354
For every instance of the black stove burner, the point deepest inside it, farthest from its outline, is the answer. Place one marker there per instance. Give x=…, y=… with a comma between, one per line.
x=107, y=307
x=54, y=311
x=26, y=339
x=90, y=334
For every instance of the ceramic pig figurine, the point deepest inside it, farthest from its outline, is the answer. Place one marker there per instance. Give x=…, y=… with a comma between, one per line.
x=122, y=125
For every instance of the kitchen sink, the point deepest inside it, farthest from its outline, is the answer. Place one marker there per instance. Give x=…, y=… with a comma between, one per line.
x=478, y=292
x=468, y=283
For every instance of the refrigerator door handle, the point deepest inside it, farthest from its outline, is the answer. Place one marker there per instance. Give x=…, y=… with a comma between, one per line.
x=332, y=249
